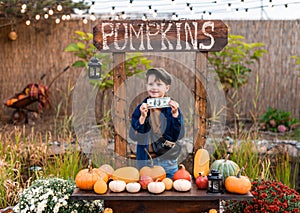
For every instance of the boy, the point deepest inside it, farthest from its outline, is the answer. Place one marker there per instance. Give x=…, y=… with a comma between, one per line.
x=157, y=125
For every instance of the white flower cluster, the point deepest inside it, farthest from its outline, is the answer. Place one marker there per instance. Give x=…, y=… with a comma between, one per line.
x=52, y=196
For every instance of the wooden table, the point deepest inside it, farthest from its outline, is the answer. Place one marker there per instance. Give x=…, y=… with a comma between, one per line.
x=172, y=201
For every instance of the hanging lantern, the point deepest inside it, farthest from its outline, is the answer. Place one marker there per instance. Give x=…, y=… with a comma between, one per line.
x=215, y=182
x=94, y=68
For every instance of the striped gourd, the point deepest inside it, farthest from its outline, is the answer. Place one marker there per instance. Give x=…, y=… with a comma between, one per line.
x=225, y=167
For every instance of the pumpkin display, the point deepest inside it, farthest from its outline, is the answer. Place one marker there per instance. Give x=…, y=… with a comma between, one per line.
x=108, y=169
x=238, y=184
x=156, y=187
x=182, y=185
x=100, y=187
x=225, y=167
x=155, y=172
x=133, y=187
x=127, y=174
x=86, y=178
x=117, y=185
x=201, y=163
x=182, y=173
x=168, y=183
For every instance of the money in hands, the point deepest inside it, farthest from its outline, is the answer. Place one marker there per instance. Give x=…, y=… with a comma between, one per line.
x=158, y=102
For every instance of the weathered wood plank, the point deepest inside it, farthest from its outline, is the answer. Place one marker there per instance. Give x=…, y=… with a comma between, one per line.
x=119, y=108
x=160, y=35
x=200, y=100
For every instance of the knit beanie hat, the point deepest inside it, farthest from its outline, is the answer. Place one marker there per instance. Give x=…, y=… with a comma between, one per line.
x=161, y=74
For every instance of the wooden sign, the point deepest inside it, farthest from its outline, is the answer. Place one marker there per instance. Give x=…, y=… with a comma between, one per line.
x=160, y=36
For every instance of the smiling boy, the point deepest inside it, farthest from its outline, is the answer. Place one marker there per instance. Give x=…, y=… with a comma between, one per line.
x=152, y=125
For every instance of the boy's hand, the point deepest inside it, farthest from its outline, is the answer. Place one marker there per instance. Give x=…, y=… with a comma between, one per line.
x=144, y=111
x=174, y=105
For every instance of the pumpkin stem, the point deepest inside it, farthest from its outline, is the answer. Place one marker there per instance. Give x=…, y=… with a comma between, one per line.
x=239, y=173
x=151, y=160
x=90, y=165
x=181, y=166
x=226, y=157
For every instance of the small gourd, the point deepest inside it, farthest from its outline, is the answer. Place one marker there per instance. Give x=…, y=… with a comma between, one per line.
x=201, y=162
x=156, y=187
x=238, y=184
x=133, y=187
x=155, y=172
x=168, y=183
x=182, y=173
x=100, y=187
x=182, y=185
x=117, y=185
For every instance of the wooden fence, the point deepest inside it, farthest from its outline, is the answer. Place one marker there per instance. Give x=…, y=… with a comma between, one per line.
x=40, y=50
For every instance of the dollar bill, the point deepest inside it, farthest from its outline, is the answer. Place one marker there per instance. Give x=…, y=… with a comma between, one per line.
x=158, y=102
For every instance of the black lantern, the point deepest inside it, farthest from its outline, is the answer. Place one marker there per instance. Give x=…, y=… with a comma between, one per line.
x=94, y=70
x=215, y=182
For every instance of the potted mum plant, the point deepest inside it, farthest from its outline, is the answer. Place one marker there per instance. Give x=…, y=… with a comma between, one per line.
x=52, y=195
x=268, y=196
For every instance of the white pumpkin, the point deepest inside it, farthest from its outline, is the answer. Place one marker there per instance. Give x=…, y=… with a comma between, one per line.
x=156, y=187
x=182, y=185
x=133, y=187
x=117, y=185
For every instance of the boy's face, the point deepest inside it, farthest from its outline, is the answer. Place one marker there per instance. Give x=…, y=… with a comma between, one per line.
x=156, y=88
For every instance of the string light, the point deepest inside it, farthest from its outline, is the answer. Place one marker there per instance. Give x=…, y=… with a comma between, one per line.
x=84, y=20
x=228, y=8
x=68, y=16
x=155, y=13
x=286, y=5
x=24, y=6
x=57, y=20
x=173, y=2
x=150, y=9
x=63, y=17
x=144, y=18
x=46, y=16
x=113, y=10
x=93, y=17
x=270, y=3
x=27, y=22
x=187, y=6
x=37, y=17
x=123, y=15
x=50, y=12
x=92, y=7
x=130, y=3
x=59, y=7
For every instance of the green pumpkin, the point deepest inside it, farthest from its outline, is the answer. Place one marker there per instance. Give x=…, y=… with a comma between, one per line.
x=225, y=167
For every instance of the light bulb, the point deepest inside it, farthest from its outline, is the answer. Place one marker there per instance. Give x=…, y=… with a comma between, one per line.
x=46, y=16
x=50, y=12
x=24, y=6
x=84, y=20
x=37, y=17
x=59, y=7
x=57, y=20
x=93, y=17
x=23, y=11
x=28, y=22
x=68, y=17
x=63, y=17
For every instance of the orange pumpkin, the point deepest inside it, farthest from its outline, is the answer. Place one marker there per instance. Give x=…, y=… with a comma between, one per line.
x=238, y=184
x=155, y=172
x=86, y=178
x=182, y=173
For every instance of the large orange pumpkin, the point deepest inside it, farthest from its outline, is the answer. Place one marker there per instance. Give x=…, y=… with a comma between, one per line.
x=86, y=178
x=155, y=172
x=238, y=184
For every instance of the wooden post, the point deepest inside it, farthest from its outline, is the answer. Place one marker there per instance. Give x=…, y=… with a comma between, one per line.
x=119, y=109
x=200, y=100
